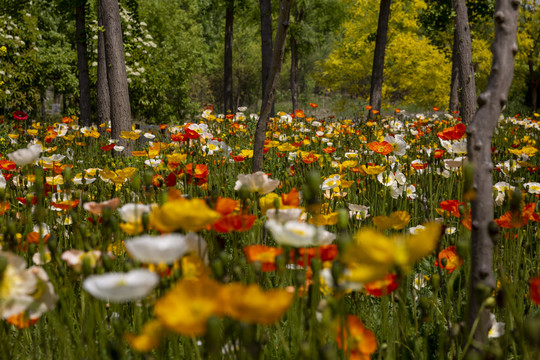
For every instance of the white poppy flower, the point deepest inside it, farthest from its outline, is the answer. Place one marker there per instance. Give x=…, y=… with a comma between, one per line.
x=26, y=156
x=360, y=212
x=18, y=285
x=387, y=179
x=497, y=328
x=133, y=213
x=299, y=234
x=256, y=182
x=284, y=215
x=160, y=249
x=533, y=187
x=121, y=287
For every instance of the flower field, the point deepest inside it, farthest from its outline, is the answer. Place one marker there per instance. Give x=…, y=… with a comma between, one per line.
x=354, y=243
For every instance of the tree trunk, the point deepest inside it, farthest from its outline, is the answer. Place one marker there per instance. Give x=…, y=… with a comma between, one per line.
x=82, y=64
x=266, y=42
x=277, y=61
x=375, y=95
x=103, y=97
x=228, y=60
x=479, y=135
x=116, y=70
x=454, y=83
x=298, y=14
x=466, y=69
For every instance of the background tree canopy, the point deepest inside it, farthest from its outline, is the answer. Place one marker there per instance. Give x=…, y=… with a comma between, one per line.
x=175, y=65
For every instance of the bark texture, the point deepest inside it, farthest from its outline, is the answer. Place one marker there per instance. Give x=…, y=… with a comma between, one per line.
x=479, y=135
x=454, y=83
x=116, y=70
x=82, y=65
x=535, y=82
x=228, y=58
x=375, y=95
x=277, y=61
x=266, y=42
x=103, y=97
x=466, y=69
x=295, y=67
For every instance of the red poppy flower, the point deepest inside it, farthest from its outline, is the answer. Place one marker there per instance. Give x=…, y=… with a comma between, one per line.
x=435, y=108
x=329, y=149
x=171, y=180
x=158, y=180
x=452, y=133
x=20, y=115
x=108, y=147
x=383, y=148
x=229, y=116
x=66, y=205
x=313, y=105
x=382, y=287
x=192, y=134
x=163, y=126
x=438, y=153
x=7, y=165
x=452, y=206
x=325, y=253
x=179, y=137
x=239, y=158
x=451, y=259
x=236, y=222
x=535, y=290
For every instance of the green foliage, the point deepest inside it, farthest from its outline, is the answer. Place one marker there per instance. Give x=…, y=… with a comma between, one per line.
x=415, y=71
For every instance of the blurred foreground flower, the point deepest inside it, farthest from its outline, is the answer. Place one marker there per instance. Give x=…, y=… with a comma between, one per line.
x=299, y=234
x=164, y=249
x=355, y=339
x=26, y=156
x=121, y=287
x=372, y=255
x=535, y=290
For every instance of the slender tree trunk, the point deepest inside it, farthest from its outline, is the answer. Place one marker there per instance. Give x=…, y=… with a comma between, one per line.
x=466, y=69
x=103, y=97
x=228, y=60
x=277, y=61
x=298, y=14
x=82, y=64
x=116, y=70
x=266, y=42
x=454, y=83
x=479, y=135
x=375, y=95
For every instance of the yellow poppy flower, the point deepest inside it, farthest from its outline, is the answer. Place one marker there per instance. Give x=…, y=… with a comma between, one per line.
x=150, y=338
x=397, y=221
x=190, y=215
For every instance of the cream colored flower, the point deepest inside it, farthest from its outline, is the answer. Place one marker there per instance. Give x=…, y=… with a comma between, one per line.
x=121, y=287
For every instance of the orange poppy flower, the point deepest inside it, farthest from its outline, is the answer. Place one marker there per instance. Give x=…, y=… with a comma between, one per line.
x=266, y=255
x=435, y=108
x=354, y=337
x=66, y=205
x=236, y=222
x=33, y=238
x=291, y=199
x=21, y=320
x=438, y=153
x=239, y=158
x=369, y=107
x=67, y=120
x=512, y=220
x=7, y=165
x=535, y=290
x=310, y=158
x=383, y=148
x=324, y=252
x=329, y=149
x=448, y=259
x=163, y=126
x=452, y=133
x=313, y=105
x=225, y=206
x=139, y=153
x=229, y=116
x=201, y=171
x=382, y=287
x=299, y=114
x=374, y=112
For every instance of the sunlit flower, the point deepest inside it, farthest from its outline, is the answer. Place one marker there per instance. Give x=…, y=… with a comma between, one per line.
x=17, y=285
x=256, y=182
x=133, y=213
x=121, y=287
x=397, y=221
x=190, y=215
x=496, y=329
x=299, y=234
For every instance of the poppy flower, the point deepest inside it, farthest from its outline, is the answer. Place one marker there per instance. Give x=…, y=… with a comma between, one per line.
x=369, y=107
x=535, y=290
x=324, y=253
x=374, y=112
x=512, y=220
x=299, y=114
x=354, y=337
x=291, y=199
x=435, y=108
x=108, y=147
x=121, y=287
x=238, y=222
x=384, y=148
x=448, y=259
x=382, y=287
x=452, y=206
x=313, y=105
x=21, y=321
x=7, y=165
x=397, y=221
x=266, y=255
x=20, y=115
x=452, y=133
x=438, y=153
x=310, y=158
x=192, y=134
